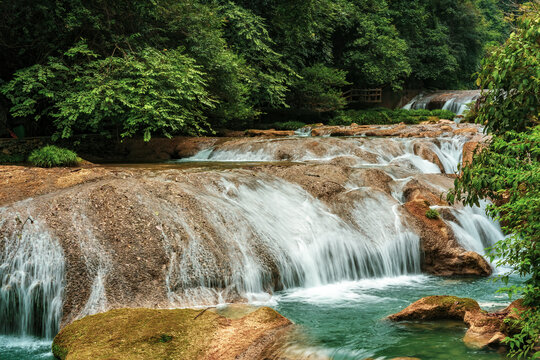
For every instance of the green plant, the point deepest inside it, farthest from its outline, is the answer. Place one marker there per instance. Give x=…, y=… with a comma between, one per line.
x=53, y=156
x=507, y=171
x=289, y=125
x=432, y=214
x=11, y=158
x=443, y=114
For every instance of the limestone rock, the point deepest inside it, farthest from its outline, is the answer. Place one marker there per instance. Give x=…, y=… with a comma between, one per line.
x=484, y=328
x=173, y=334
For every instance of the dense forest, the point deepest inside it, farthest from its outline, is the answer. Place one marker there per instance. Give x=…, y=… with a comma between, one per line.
x=188, y=66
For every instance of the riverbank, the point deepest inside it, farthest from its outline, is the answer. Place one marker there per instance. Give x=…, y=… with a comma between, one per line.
x=240, y=221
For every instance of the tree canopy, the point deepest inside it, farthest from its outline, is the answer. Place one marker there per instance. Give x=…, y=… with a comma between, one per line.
x=186, y=66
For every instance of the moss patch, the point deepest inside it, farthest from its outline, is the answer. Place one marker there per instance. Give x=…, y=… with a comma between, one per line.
x=461, y=303
x=137, y=334
x=169, y=334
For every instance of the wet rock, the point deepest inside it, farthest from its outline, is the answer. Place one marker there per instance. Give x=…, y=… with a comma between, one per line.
x=425, y=151
x=437, y=308
x=484, y=328
x=443, y=255
x=269, y=133
x=173, y=334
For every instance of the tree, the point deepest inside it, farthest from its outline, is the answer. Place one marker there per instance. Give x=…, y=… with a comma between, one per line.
x=507, y=171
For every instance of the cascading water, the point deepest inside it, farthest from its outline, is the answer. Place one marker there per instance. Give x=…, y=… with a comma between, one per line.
x=272, y=235
x=365, y=151
x=32, y=277
x=245, y=235
x=474, y=230
x=455, y=101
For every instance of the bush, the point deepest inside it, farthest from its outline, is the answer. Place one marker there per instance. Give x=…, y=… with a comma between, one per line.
x=51, y=156
x=11, y=159
x=383, y=116
x=432, y=214
x=289, y=125
x=443, y=114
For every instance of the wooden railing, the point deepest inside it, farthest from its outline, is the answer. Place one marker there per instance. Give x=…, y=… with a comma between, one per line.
x=363, y=95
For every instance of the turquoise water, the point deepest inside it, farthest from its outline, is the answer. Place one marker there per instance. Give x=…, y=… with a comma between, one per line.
x=346, y=321
x=24, y=348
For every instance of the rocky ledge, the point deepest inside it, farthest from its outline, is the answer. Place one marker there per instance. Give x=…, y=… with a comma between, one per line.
x=485, y=328
x=172, y=334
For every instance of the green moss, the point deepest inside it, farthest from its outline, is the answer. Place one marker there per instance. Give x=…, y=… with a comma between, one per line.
x=59, y=351
x=464, y=303
x=137, y=334
x=432, y=214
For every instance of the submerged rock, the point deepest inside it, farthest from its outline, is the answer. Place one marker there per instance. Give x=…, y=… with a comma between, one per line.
x=484, y=328
x=172, y=334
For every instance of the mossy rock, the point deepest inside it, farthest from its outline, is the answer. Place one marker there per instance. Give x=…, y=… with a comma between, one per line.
x=437, y=308
x=164, y=334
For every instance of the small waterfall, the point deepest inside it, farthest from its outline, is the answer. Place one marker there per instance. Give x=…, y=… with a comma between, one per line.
x=31, y=278
x=450, y=152
x=365, y=151
x=455, y=100
x=474, y=230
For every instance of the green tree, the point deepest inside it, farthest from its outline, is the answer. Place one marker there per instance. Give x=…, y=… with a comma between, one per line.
x=319, y=89
x=507, y=171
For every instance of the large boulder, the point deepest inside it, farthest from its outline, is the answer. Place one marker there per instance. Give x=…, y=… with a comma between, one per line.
x=443, y=255
x=484, y=328
x=171, y=334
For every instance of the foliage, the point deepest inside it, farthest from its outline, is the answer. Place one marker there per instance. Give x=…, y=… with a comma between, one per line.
x=184, y=66
x=53, y=156
x=432, y=214
x=11, y=158
x=385, y=116
x=507, y=171
x=289, y=125
x=319, y=89
x=154, y=92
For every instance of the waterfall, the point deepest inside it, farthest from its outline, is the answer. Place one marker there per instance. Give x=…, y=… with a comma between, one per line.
x=474, y=230
x=31, y=278
x=365, y=151
x=455, y=100
x=450, y=152
x=269, y=234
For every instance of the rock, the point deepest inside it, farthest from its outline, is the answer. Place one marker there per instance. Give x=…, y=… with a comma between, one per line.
x=443, y=255
x=269, y=133
x=172, y=334
x=484, y=329
x=437, y=308
x=424, y=150
x=468, y=130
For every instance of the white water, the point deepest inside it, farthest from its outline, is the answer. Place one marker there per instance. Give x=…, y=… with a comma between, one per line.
x=273, y=234
x=257, y=234
x=364, y=151
x=457, y=102
x=31, y=279
x=474, y=230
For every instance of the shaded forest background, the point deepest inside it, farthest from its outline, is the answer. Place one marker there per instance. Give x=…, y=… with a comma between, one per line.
x=165, y=67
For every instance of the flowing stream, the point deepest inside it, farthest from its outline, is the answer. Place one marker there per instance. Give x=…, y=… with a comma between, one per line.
x=336, y=276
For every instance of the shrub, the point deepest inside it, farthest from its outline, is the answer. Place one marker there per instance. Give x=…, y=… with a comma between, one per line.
x=289, y=125
x=443, y=114
x=383, y=116
x=11, y=158
x=432, y=214
x=51, y=156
